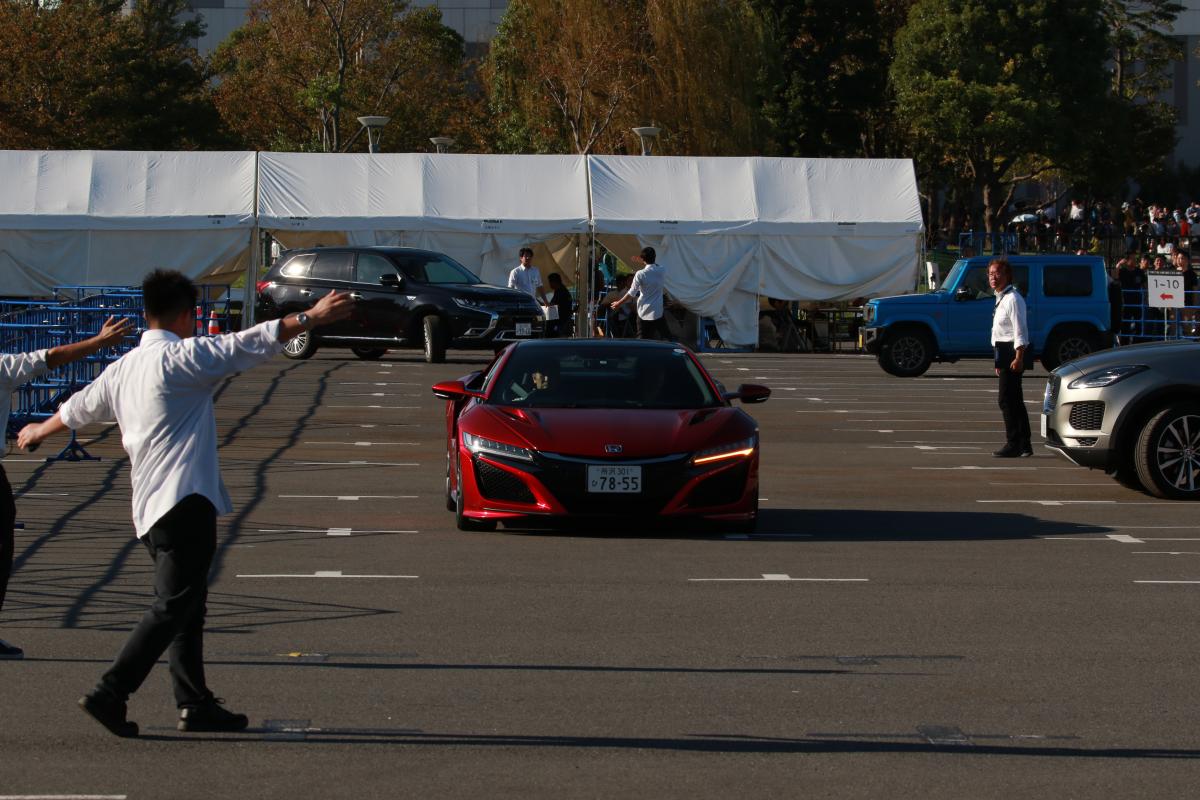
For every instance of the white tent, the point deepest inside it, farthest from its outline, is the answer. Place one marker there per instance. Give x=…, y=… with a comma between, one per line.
x=480, y=209
x=109, y=217
x=731, y=229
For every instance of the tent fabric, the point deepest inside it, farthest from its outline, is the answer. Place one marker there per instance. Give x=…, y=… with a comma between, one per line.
x=109, y=217
x=453, y=193
x=731, y=229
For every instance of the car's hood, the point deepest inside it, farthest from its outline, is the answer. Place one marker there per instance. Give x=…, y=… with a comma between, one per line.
x=911, y=299
x=640, y=433
x=1173, y=353
x=485, y=292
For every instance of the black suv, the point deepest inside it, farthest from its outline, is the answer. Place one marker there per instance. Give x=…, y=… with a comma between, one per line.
x=406, y=298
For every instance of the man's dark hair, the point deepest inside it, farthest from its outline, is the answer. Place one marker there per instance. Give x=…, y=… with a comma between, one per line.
x=1003, y=267
x=554, y=279
x=648, y=255
x=167, y=293
x=525, y=251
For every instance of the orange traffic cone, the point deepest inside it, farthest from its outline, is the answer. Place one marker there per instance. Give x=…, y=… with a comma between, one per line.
x=214, y=327
x=199, y=320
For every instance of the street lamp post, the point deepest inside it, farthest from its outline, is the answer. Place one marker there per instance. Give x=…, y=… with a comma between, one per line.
x=647, y=135
x=374, y=126
x=442, y=143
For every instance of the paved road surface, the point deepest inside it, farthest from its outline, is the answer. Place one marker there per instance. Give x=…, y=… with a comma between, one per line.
x=949, y=625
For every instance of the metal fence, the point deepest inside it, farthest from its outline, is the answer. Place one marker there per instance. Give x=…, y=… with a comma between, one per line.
x=76, y=313
x=1141, y=322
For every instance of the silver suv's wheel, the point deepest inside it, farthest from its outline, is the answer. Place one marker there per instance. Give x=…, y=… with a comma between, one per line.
x=1168, y=453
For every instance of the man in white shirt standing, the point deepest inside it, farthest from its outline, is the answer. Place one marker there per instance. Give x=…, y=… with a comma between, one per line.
x=160, y=393
x=1010, y=339
x=16, y=370
x=647, y=287
x=526, y=278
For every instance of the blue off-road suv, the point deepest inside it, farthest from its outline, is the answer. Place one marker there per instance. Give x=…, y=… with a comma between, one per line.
x=1066, y=297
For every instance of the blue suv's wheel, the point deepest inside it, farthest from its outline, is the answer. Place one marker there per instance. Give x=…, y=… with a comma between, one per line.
x=906, y=353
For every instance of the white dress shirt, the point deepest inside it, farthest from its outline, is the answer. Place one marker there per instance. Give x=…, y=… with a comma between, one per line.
x=16, y=370
x=160, y=393
x=647, y=287
x=1008, y=318
x=525, y=279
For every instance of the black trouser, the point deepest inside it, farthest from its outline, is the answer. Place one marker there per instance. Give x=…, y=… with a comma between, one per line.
x=653, y=329
x=8, y=516
x=182, y=545
x=1012, y=400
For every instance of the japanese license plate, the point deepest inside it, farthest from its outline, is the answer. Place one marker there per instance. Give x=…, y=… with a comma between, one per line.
x=524, y=329
x=621, y=480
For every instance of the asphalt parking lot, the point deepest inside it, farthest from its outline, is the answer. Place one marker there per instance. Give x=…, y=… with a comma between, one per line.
x=912, y=618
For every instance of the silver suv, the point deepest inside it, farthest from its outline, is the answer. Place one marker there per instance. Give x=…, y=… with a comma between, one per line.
x=1133, y=412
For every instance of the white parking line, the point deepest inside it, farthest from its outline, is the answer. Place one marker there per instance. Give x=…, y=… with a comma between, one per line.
x=376, y=407
x=355, y=464
x=330, y=573
x=975, y=467
x=62, y=797
x=366, y=444
x=1184, y=582
x=328, y=531
x=770, y=576
x=349, y=496
x=1070, y=502
x=1165, y=553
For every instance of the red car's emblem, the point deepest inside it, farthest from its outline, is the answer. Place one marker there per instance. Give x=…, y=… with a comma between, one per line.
x=613, y=448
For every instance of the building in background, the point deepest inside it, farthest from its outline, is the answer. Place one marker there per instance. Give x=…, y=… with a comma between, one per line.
x=475, y=20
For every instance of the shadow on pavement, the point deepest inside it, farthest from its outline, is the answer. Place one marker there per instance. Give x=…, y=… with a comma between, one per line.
x=842, y=524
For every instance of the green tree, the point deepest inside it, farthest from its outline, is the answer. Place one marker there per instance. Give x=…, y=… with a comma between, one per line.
x=87, y=74
x=1002, y=90
x=300, y=72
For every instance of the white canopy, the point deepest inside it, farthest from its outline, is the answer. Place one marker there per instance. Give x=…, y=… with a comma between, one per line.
x=478, y=208
x=108, y=217
x=731, y=229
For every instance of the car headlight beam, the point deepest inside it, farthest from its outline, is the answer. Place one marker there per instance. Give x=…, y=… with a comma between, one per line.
x=478, y=444
x=725, y=452
x=1106, y=377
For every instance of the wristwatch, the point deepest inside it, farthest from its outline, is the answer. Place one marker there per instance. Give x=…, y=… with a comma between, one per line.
x=305, y=321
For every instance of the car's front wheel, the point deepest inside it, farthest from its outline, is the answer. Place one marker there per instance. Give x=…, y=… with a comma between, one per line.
x=906, y=353
x=1168, y=452
x=434, y=335
x=300, y=346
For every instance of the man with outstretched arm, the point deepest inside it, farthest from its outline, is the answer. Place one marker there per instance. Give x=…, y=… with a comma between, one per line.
x=16, y=370
x=160, y=394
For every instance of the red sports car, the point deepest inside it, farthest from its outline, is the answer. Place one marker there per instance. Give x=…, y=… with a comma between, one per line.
x=599, y=428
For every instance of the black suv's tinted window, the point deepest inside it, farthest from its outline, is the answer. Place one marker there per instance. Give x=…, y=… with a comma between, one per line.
x=297, y=266
x=371, y=267
x=436, y=269
x=1067, y=280
x=332, y=266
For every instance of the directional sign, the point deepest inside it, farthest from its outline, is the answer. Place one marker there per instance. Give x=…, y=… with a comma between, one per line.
x=1165, y=289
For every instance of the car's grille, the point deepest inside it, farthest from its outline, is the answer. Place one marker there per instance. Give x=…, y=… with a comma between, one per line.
x=1088, y=442
x=1087, y=416
x=566, y=477
x=1051, y=398
x=499, y=484
x=721, y=489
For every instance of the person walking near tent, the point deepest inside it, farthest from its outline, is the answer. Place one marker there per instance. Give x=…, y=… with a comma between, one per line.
x=647, y=287
x=16, y=370
x=161, y=395
x=526, y=278
x=1010, y=338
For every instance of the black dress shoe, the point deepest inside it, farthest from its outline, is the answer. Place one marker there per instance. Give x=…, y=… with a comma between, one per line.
x=1026, y=452
x=209, y=716
x=109, y=712
x=10, y=651
x=1007, y=452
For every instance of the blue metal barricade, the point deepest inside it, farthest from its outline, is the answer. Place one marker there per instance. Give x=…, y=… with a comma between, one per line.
x=76, y=313
x=1141, y=322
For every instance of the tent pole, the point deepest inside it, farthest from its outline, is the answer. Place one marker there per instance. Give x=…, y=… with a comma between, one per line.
x=249, y=293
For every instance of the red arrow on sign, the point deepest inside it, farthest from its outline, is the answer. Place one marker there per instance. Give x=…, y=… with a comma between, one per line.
x=1165, y=296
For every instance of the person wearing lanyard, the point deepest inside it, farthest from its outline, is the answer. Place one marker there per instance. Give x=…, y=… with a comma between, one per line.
x=1010, y=339
x=647, y=287
x=161, y=395
x=17, y=369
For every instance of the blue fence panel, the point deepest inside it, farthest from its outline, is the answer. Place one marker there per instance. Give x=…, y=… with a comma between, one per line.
x=1142, y=323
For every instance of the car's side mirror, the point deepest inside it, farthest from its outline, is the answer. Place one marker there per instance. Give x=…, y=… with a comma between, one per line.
x=454, y=390
x=963, y=293
x=749, y=393
x=393, y=280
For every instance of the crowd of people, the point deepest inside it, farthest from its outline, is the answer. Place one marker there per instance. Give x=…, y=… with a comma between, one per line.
x=1137, y=322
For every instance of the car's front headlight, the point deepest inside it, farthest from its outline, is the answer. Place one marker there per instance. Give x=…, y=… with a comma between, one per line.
x=478, y=444
x=1106, y=377
x=472, y=305
x=740, y=449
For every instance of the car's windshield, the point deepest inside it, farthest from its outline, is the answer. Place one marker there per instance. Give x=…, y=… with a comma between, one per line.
x=952, y=276
x=436, y=269
x=602, y=377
